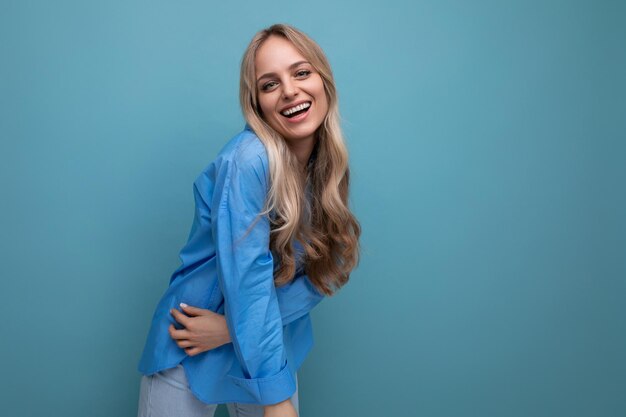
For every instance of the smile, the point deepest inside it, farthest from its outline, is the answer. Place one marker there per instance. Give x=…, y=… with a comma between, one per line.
x=296, y=110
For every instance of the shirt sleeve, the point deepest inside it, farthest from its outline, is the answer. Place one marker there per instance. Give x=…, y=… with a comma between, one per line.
x=295, y=299
x=245, y=272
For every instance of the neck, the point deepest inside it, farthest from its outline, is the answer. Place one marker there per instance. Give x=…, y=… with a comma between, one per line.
x=302, y=149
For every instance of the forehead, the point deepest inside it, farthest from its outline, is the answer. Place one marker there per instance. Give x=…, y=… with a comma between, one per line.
x=276, y=54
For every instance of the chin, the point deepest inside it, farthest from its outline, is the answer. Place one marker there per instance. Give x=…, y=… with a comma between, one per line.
x=300, y=134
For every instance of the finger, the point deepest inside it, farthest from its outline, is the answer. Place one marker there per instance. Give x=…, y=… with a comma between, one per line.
x=178, y=334
x=192, y=351
x=185, y=343
x=180, y=317
x=194, y=311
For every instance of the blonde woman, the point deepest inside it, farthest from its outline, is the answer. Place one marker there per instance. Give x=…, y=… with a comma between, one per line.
x=272, y=235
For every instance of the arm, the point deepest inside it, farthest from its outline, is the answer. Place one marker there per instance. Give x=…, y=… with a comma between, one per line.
x=245, y=272
x=206, y=330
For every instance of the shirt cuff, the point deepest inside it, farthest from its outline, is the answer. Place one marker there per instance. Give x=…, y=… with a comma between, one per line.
x=269, y=390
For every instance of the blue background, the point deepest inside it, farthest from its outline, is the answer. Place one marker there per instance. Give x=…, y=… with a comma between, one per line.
x=487, y=144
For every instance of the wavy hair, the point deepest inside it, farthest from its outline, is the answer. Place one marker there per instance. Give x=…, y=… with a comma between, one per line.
x=326, y=228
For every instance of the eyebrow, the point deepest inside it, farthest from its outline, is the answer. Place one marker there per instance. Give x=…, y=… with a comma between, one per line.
x=273, y=74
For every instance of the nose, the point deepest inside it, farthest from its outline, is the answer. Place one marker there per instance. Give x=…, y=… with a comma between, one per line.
x=289, y=89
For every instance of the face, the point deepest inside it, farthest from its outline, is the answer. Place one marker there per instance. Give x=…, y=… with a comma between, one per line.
x=290, y=92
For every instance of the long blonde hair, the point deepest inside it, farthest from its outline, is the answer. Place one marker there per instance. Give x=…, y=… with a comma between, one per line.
x=326, y=228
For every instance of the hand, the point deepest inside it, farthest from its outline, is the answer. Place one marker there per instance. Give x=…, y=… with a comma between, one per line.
x=204, y=330
x=284, y=409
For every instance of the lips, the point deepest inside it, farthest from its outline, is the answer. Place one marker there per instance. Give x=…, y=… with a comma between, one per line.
x=296, y=109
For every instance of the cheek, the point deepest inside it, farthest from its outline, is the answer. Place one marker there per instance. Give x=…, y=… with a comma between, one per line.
x=321, y=93
x=265, y=107
x=323, y=101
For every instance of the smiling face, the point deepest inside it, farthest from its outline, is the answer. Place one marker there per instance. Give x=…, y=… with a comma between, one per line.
x=290, y=91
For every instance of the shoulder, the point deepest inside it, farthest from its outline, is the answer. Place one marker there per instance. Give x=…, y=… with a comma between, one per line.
x=244, y=155
x=243, y=149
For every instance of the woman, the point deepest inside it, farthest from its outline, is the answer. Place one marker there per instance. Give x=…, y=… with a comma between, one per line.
x=272, y=235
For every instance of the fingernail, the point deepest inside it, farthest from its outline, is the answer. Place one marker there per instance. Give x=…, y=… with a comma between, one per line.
x=183, y=305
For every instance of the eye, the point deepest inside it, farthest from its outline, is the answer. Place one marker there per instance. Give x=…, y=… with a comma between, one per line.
x=268, y=85
x=303, y=73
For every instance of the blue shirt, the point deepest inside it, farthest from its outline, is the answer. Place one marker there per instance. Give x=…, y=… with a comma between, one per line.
x=227, y=267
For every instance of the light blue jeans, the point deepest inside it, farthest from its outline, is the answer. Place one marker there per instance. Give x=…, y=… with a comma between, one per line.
x=167, y=394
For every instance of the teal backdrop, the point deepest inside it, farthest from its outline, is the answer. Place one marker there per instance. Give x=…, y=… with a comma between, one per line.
x=487, y=143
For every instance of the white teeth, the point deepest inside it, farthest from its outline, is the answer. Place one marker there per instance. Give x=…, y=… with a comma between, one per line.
x=296, y=108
